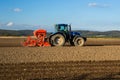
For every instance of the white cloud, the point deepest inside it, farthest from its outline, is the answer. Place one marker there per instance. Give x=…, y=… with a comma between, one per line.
x=94, y=4
x=17, y=10
x=10, y=24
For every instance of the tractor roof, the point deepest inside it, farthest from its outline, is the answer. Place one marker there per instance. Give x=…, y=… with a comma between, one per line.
x=61, y=24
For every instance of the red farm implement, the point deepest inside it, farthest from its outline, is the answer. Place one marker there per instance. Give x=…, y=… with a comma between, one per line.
x=40, y=40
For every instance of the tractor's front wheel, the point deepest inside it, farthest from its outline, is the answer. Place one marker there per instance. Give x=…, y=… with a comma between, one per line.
x=79, y=41
x=57, y=40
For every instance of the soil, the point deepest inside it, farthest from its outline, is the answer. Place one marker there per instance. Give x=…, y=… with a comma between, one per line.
x=99, y=59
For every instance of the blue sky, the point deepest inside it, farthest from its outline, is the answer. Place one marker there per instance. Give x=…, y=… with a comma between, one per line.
x=100, y=15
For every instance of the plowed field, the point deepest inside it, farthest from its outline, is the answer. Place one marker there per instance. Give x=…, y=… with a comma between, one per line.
x=99, y=59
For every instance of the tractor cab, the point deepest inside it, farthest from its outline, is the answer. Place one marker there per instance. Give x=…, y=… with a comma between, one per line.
x=61, y=28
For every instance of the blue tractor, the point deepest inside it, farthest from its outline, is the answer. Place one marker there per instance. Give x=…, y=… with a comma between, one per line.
x=64, y=34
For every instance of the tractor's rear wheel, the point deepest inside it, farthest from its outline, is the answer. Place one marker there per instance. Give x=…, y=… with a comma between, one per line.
x=57, y=40
x=79, y=41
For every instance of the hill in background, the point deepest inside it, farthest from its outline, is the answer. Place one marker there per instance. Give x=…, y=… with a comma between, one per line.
x=110, y=34
x=85, y=33
x=15, y=32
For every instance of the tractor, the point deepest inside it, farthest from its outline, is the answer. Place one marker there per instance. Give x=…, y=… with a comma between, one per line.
x=64, y=34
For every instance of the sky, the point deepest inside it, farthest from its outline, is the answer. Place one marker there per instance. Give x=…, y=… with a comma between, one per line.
x=95, y=15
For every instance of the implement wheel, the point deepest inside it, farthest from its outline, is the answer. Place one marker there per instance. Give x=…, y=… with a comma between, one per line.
x=57, y=40
x=79, y=41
